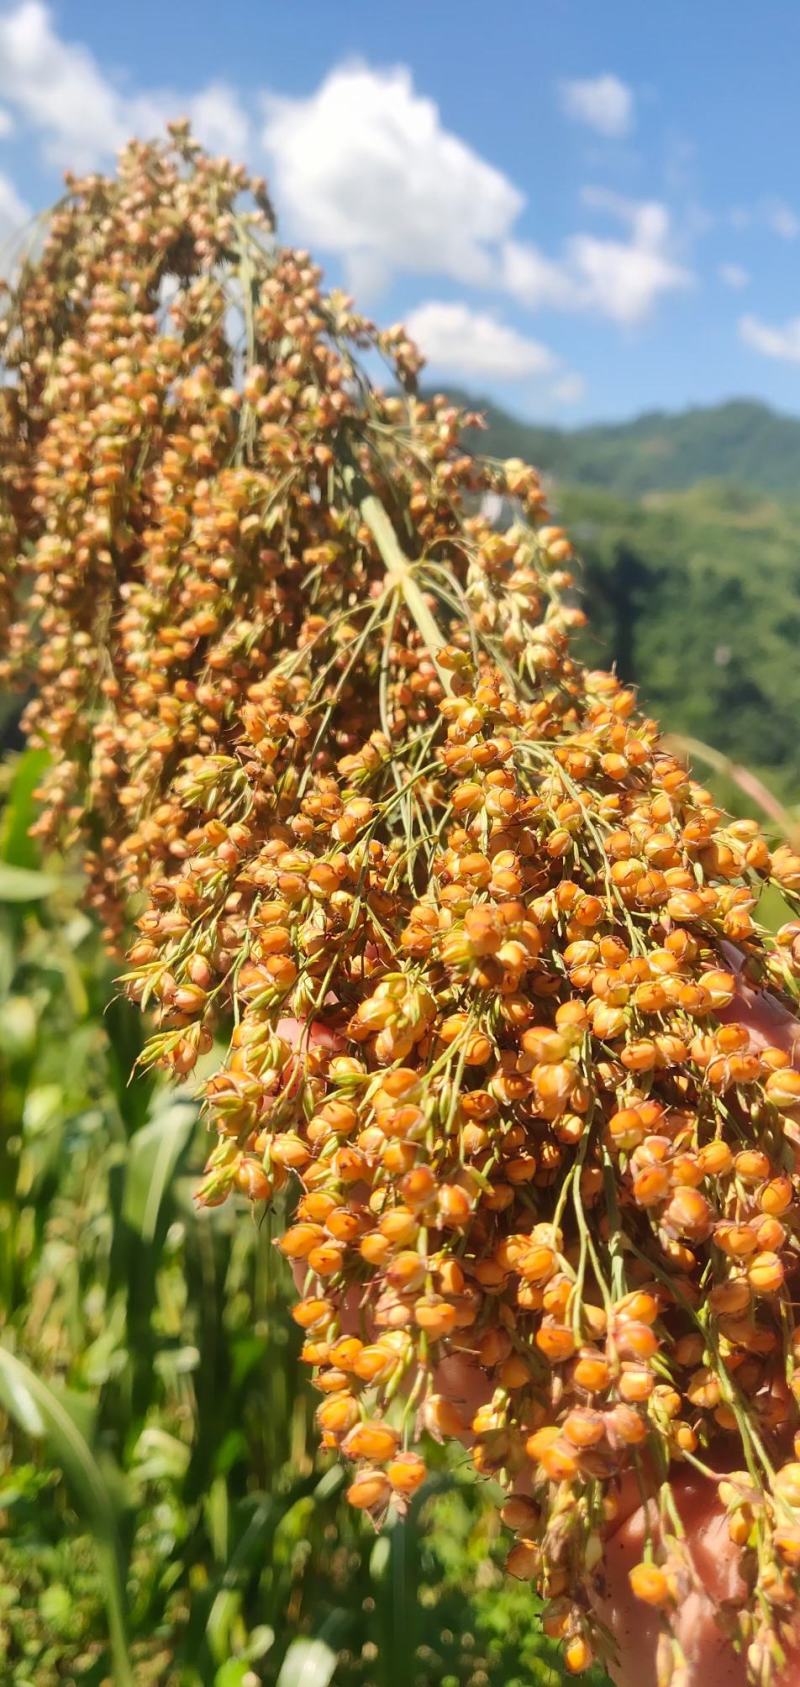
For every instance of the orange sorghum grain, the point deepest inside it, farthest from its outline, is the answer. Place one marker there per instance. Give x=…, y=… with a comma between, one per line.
x=467, y=919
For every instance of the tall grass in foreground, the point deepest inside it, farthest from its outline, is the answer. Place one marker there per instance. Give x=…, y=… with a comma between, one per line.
x=163, y=1518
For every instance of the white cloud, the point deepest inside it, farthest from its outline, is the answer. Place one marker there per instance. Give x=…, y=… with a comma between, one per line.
x=647, y=219
x=535, y=280
x=782, y=220
x=58, y=88
x=570, y=389
x=620, y=279
x=782, y=343
x=472, y=342
x=365, y=168
x=217, y=119
x=733, y=275
x=14, y=213
x=624, y=281
x=771, y=213
x=603, y=102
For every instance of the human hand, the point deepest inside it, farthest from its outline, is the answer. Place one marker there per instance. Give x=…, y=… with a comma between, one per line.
x=709, y=1658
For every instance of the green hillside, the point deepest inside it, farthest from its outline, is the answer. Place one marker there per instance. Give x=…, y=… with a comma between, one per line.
x=742, y=441
x=696, y=597
x=688, y=529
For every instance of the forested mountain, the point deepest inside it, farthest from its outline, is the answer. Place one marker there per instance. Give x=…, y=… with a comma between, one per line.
x=742, y=441
x=688, y=531
x=696, y=597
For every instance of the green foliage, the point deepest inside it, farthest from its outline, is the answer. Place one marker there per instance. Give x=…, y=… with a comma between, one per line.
x=742, y=442
x=696, y=596
x=691, y=568
x=164, y=1518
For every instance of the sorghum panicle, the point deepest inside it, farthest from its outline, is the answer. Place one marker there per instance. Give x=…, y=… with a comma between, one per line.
x=316, y=721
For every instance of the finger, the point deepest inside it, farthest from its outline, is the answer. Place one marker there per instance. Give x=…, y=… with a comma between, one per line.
x=298, y=1033
x=710, y=1659
x=770, y=1024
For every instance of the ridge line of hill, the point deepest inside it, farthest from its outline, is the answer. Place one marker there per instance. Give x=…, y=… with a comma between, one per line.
x=742, y=441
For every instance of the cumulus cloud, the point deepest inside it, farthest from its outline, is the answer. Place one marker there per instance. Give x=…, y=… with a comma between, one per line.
x=771, y=213
x=782, y=220
x=463, y=341
x=604, y=103
x=13, y=210
x=624, y=280
x=733, y=275
x=216, y=117
x=536, y=280
x=779, y=342
x=364, y=167
x=14, y=215
x=58, y=88
x=569, y=389
x=619, y=279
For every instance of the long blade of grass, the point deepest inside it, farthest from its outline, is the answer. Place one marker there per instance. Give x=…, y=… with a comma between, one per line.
x=22, y=884
x=153, y=1153
x=30, y=1401
x=16, y=844
x=743, y=777
x=312, y=1662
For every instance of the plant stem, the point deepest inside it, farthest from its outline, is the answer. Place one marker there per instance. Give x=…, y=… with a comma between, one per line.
x=399, y=567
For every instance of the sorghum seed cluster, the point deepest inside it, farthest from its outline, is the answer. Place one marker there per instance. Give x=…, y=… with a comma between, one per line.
x=318, y=726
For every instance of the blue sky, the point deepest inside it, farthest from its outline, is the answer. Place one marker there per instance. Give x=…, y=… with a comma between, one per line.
x=583, y=210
